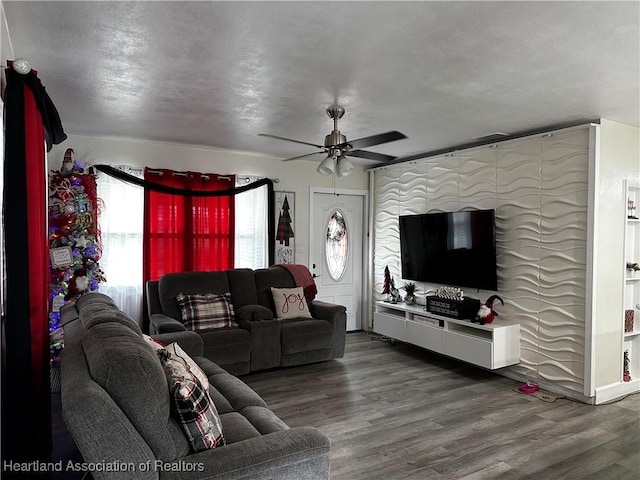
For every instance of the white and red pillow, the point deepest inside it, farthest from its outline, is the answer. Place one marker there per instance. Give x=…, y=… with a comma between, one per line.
x=290, y=303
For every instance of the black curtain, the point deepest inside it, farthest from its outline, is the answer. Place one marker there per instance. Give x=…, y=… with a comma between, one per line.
x=30, y=120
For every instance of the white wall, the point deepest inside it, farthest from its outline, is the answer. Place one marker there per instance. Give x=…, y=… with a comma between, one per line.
x=619, y=159
x=7, y=54
x=295, y=176
x=6, y=49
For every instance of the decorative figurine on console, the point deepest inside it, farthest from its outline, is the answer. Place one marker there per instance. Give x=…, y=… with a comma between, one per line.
x=486, y=313
x=395, y=293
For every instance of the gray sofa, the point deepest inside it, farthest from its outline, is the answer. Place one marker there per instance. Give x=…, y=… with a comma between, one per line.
x=116, y=405
x=261, y=342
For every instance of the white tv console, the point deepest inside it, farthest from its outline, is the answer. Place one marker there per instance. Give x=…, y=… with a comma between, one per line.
x=494, y=345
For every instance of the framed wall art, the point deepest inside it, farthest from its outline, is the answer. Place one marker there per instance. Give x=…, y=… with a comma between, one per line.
x=285, y=241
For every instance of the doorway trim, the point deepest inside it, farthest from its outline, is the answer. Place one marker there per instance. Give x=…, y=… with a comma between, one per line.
x=365, y=322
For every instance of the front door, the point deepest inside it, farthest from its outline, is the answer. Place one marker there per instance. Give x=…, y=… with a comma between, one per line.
x=337, y=249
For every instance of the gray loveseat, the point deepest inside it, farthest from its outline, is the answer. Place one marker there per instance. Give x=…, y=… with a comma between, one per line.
x=261, y=342
x=116, y=404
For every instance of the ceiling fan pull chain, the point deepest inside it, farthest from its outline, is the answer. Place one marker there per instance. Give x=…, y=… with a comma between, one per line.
x=333, y=183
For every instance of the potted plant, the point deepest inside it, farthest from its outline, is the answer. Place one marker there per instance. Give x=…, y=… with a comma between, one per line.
x=633, y=268
x=410, y=288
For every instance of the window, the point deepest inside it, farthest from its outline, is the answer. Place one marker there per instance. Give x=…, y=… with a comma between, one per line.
x=184, y=233
x=252, y=221
x=120, y=223
x=337, y=246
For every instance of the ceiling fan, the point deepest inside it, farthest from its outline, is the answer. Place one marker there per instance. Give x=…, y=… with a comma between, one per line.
x=338, y=148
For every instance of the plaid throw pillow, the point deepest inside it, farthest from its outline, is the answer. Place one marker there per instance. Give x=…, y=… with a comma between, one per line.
x=209, y=310
x=192, y=406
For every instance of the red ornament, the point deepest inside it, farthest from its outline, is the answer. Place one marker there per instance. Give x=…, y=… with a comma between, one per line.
x=78, y=283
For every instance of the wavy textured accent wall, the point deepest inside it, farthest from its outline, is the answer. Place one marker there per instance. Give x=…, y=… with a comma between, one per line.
x=538, y=186
x=386, y=245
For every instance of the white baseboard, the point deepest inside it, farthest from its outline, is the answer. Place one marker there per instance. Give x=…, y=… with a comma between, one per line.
x=616, y=390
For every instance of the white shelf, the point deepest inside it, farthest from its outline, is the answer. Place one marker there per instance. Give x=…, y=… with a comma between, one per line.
x=493, y=345
x=631, y=340
x=631, y=335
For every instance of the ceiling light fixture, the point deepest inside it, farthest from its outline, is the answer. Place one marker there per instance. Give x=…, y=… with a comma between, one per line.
x=327, y=166
x=343, y=166
x=335, y=162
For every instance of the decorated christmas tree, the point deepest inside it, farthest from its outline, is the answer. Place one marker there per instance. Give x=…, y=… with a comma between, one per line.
x=74, y=241
x=386, y=288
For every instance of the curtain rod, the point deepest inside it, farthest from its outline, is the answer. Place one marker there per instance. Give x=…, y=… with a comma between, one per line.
x=184, y=174
x=246, y=178
x=206, y=177
x=125, y=177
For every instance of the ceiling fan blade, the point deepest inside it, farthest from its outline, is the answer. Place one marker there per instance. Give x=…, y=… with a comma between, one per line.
x=290, y=140
x=301, y=156
x=376, y=139
x=378, y=157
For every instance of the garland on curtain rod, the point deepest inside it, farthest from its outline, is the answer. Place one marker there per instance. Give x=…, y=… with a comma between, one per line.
x=133, y=180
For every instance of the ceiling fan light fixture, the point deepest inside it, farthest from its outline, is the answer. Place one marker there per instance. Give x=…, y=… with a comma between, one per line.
x=336, y=144
x=344, y=166
x=327, y=166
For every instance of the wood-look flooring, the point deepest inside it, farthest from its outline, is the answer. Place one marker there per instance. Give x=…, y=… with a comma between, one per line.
x=401, y=412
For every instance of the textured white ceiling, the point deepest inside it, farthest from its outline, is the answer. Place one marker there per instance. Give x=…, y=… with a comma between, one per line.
x=219, y=73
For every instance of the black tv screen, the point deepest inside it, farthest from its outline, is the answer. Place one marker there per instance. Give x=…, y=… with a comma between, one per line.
x=454, y=248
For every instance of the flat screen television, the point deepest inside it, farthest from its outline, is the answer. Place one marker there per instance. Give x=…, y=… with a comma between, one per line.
x=453, y=248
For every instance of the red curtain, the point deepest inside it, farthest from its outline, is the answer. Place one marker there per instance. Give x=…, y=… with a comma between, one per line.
x=187, y=233
x=38, y=244
x=26, y=415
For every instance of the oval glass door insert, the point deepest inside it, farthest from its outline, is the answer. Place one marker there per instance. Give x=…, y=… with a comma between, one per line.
x=337, y=246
